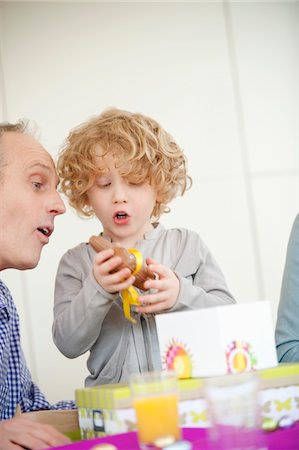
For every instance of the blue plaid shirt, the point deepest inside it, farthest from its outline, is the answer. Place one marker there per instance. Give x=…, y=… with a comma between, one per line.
x=16, y=385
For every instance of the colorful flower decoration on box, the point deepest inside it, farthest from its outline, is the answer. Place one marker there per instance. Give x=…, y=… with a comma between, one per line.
x=177, y=357
x=240, y=357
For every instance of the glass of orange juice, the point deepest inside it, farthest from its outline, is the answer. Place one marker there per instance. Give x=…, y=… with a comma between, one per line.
x=155, y=400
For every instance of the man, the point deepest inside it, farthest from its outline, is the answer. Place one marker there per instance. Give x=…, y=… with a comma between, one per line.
x=29, y=203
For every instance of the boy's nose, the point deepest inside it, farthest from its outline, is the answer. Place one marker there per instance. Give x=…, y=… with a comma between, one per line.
x=119, y=195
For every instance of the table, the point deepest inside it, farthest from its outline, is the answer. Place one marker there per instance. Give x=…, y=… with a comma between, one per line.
x=280, y=439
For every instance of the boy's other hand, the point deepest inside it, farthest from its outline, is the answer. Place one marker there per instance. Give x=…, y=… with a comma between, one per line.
x=166, y=289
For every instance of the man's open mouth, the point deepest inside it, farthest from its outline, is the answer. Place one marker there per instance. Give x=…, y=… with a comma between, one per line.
x=45, y=231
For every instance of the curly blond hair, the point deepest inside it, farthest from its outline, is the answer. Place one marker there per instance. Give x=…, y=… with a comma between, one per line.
x=139, y=146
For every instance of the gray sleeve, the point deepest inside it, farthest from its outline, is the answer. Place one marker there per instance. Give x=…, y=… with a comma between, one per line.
x=287, y=326
x=203, y=284
x=80, y=304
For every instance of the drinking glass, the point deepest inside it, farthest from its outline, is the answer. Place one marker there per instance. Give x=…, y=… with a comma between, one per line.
x=234, y=412
x=155, y=400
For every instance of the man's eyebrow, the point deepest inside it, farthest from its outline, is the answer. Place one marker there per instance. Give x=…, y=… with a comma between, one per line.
x=41, y=165
x=45, y=167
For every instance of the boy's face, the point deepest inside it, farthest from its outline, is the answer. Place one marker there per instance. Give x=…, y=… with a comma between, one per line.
x=29, y=201
x=123, y=207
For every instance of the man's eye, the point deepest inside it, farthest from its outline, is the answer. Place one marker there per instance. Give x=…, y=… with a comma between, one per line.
x=37, y=185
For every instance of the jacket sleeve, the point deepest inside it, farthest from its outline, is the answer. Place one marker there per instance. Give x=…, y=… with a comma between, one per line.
x=80, y=304
x=203, y=285
x=287, y=326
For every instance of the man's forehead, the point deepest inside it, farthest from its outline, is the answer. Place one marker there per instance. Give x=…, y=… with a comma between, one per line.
x=22, y=149
x=21, y=144
x=15, y=139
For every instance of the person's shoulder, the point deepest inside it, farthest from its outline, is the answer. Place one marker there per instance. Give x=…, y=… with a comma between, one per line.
x=296, y=222
x=77, y=251
x=76, y=260
x=181, y=231
x=180, y=234
x=294, y=234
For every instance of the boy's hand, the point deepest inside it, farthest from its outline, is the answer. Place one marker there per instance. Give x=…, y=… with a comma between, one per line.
x=103, y=264
x=167, y=288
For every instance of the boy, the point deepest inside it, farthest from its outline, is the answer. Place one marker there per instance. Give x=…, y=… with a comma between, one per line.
x=124, y=168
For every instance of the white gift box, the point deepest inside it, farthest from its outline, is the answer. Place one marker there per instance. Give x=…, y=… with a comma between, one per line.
x=217, y=340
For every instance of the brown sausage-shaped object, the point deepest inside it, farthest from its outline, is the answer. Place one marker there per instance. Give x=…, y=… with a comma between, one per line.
x=128, y=260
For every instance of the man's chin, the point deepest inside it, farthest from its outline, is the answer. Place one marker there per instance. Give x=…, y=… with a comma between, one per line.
x=28, y=265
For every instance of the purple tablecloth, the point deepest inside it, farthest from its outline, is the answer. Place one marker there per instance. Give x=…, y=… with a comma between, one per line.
x=281, y=439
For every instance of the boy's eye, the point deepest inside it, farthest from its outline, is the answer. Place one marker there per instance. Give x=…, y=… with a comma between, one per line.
x=104, y=184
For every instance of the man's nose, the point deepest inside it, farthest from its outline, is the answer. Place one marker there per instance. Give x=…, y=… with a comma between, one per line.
x=57, y=205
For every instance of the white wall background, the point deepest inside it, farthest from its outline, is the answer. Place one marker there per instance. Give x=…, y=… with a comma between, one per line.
x=222, y=77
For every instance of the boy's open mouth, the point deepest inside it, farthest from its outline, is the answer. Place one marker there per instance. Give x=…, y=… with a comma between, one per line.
x=121, y=217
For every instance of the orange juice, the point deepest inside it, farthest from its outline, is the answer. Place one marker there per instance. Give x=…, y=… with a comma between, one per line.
x=157, y=416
